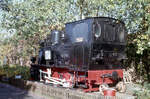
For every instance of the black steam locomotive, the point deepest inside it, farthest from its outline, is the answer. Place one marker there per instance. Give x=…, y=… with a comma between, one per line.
x=88, y=53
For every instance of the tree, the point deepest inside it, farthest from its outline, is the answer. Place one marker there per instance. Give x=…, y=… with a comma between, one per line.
x=32, y=21
x=4, y=5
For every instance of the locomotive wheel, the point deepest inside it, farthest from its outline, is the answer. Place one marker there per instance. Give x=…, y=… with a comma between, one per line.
x=70, y=79
x=121, y=87
x=102, y=87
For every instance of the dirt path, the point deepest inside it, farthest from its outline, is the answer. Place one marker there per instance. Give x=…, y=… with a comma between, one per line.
x=10, y=92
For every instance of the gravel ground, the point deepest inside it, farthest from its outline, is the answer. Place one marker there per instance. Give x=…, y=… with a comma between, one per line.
x=10, y=92
x=131, y=88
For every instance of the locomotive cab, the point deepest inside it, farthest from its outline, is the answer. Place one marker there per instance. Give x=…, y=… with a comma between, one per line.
x=109, y=40
x=102, y=40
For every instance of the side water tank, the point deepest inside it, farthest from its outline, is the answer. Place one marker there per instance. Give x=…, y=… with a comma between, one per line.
x=55, y=37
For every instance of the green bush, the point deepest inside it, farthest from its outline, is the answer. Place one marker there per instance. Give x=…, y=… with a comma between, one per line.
x=13, y=70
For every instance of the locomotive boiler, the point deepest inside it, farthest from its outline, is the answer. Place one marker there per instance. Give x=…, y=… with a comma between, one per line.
x=88, y=53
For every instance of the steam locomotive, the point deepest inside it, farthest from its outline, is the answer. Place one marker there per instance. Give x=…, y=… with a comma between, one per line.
x=88, y=53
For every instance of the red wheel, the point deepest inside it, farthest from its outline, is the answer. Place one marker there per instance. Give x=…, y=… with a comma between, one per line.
x=56, y=75
x=70, y=79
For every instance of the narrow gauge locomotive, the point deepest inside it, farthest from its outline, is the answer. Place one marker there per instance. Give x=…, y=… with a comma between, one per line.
x=87, y=54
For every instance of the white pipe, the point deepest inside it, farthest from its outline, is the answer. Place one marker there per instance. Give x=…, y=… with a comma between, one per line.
x=52, y=80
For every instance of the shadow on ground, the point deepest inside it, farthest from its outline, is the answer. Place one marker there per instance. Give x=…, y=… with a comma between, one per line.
x=10, y=92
